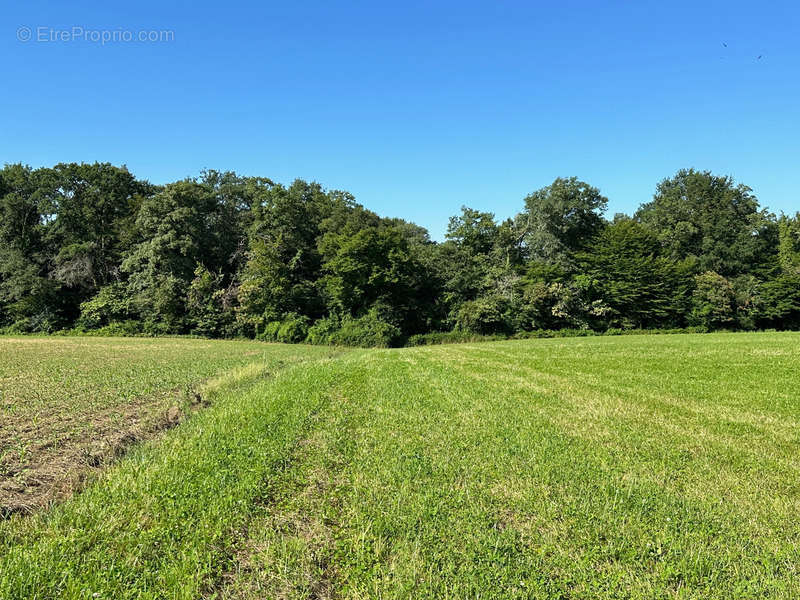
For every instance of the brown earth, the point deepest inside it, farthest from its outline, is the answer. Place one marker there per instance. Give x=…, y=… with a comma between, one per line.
x=59, y=458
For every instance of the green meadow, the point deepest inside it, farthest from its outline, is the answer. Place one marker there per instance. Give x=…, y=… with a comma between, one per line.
x=600, y=467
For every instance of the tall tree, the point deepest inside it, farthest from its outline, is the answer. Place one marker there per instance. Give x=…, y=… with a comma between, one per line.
x=710, y=218
x=561, y=219
x=92, y=204
x=375, y=267
x=25, y=289
x=284, y=260
x=641, y=288
x=176, y=233
x=473, y=230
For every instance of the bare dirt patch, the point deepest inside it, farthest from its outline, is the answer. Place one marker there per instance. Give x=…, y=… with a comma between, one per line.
x=71, y=405
x=63, y=451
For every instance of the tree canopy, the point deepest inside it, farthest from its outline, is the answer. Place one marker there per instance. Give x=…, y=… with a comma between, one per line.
x=91, y=246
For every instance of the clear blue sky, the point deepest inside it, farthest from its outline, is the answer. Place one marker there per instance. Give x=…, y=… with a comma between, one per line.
x=416, y=108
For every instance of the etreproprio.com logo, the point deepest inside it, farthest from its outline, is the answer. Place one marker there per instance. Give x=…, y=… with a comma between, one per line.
x=95, y=36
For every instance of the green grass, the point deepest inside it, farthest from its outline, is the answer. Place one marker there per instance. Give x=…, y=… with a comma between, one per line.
x=41, y=375
x=615, y=467
x=66, y=402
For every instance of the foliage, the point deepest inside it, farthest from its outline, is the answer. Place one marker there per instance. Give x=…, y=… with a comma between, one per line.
x=473, y=230
x=711, y=219
x=374, y=267
x=789, y=244
x=781, y=302
x=713, y=301
x=561, y=219
x=89, y=246
x=111, y=303
x=368, y=331
x=208, y=304
x=450, y=337
x=640, y=287
x=749, y=299
x=322, y=331
x=291, y=330
x=484, y=315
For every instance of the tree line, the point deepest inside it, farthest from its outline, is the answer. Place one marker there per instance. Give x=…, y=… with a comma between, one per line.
x=91, y=247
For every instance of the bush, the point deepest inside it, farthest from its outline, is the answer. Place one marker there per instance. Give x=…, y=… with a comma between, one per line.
x=451, y=337
x=366, y=332
x=120, y=328
x=270, y=333
x=675, y=330
x=713, y=301
x=554, y=333
x=321, y=331
x=293, y=329
x=369, y=331
x=535, y=334
x=154, y=327
x=43, y=322
x=112, y=304
x=17, y=327
x=454, y=337
x=781, y=303
x=206, y=305
x=483, y=316
x=128, y=328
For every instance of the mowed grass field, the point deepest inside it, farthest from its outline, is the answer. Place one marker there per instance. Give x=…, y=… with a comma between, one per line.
x=612, y=467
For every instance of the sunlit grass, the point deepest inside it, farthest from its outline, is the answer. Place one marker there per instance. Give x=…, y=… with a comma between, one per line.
x=581, y=468
x=69, y=404
x=646, y=467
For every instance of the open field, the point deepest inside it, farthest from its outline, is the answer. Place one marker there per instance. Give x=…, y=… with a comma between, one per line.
x=70, y=404
x=616, y=467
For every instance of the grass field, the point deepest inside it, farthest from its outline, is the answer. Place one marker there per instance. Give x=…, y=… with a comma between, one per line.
x=613, y=467
x=70, y=404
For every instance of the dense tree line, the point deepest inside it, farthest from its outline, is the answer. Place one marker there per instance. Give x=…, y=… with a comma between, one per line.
x=91, y=247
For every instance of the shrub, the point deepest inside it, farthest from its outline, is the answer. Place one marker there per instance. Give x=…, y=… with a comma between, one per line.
x=110, y=305
x=782, y=303
x=482, y=316
x=535, y=334
x=153, y=326
x=366, y=332
x=293, y=329
x=44, y=322
x=321, y=332
x=369, y=331
x=451, y=337
x=206, y=305
x=121, y=328
x=270, y=333
x=17, y=327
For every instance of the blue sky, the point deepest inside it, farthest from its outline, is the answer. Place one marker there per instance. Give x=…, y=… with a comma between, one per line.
x=416, y=108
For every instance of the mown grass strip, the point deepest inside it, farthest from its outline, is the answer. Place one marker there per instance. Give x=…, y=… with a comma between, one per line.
x=522, y=482
x=165, y=522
